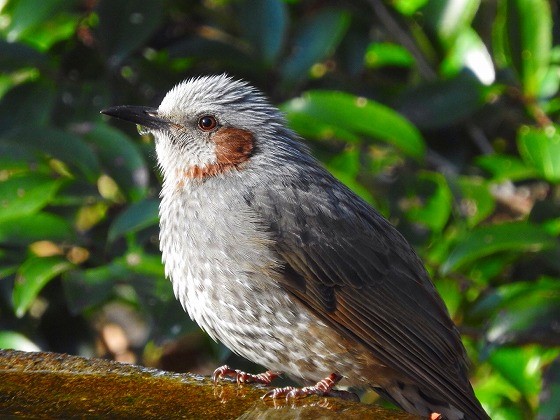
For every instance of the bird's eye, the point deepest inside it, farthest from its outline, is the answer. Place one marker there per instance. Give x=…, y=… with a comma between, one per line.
x=207, y=123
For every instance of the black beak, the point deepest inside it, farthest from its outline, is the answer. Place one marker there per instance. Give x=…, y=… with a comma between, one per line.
x=142, y=115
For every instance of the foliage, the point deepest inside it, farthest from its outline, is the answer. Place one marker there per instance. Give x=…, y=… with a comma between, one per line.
x=443, y=114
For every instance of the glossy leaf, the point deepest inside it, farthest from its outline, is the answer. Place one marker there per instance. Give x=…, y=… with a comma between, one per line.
x=25, y=195
x=264, y=23
x=540, y=148
x=360, y=116
x=32, y=276
x=525, y=28
x=521, y=367
x=16, y=341
x=315, y=41
x=522, y=312
x=121, y=158
x=487, y=240
x=26, y=229
x=468, y=51
x=449, y=17
x=138, y=216
x=27, y=15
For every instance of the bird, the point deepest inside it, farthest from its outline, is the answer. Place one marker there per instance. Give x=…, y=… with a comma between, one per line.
x=274, y=257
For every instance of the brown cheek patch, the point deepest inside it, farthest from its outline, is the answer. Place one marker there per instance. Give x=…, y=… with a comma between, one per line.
x=233, y=147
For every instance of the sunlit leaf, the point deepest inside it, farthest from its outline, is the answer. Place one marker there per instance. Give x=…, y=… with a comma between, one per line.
x=361, y=116
x=540, y=148
x=504, y=167
x=521, y=366
x=29, y=228
x=379, y=54
x=32, y=276
x=524, y=37
x=522, y=312
x=16, y=341
x=24, y=195
x=487, y=240
x=449, y=17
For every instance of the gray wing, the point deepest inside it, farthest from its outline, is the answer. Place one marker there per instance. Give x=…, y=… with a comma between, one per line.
x=347, y=264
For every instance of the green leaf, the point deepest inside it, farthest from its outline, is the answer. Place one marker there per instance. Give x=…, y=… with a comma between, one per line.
x=87, y=288
x=30, y=102
x=448, y=19
x=526, y=35
x=25, y=195
x=136, y=217
x=477, y=202
x=64, y=146
x=27, y=15
x=521, y=367
x=504, y=167
x=480, y=242
x=540, y=148
x=549, y=399
x=521, y=312
x=35, y=227
x=380, y=54
x=360, y=116
x=16, y=56
x=264, y=23
x=32, y=276
x=436, y=208
x=125, y=26
x=121, y=158
x=16, y=341
x=443, y=103
x=468, y=51
x=315, y=41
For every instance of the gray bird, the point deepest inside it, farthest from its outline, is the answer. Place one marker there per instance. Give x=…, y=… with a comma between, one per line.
x=278, y=260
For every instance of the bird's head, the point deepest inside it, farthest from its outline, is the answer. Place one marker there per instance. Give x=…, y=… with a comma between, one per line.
x=208, y=126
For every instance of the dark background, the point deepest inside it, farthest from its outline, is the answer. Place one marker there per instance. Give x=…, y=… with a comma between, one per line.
x=457, y=144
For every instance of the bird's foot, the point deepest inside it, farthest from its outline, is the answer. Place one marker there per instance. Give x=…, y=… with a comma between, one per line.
x=323, y=388
x=436, y=416
x=242, y=377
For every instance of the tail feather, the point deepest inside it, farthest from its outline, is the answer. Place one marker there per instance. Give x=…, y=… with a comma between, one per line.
x=412, y=399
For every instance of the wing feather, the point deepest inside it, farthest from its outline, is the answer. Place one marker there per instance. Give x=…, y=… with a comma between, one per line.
x=364, y=279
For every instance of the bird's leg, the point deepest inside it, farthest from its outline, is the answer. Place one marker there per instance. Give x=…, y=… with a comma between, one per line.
x=323, y=388
x=244, y=378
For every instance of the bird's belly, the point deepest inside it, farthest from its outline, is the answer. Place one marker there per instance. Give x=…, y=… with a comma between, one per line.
x=271, y=328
